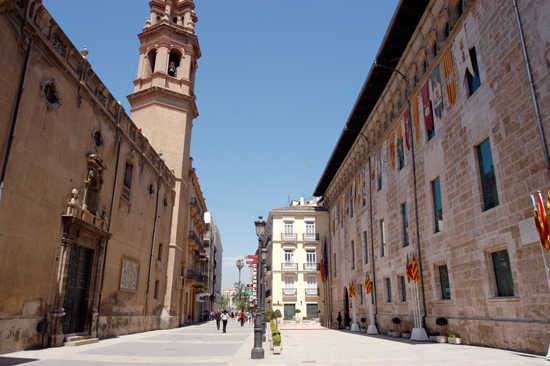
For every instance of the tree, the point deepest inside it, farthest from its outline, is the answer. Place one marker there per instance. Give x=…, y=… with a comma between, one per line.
x=240, y=265
x=225, y=302
x=240, y=297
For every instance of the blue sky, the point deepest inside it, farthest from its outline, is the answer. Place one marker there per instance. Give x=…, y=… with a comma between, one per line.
x=275, y=85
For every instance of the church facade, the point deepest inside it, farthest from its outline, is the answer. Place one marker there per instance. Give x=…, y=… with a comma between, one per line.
x=101, y=226
x=438, y=159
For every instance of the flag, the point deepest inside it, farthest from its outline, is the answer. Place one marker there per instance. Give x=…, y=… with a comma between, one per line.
x=373, y=173
x=544, y=224
x=323, y=263
x=400, y=150
x=548, y=200
x=333, y=224
x=449, y=76
x=462, y=54
x=426, y=107
x=414, y=268
x=392, y=149
x=437, y=96
x=368, y=283
x=416, y=114
x=351, y=289
x=407, y=120
x=357, y=188
x=544, y=240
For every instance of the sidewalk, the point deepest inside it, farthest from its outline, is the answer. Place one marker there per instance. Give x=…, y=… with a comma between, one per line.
x=204, y=344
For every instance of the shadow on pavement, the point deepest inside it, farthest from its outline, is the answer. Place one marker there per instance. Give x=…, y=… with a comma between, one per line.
x=9, y=361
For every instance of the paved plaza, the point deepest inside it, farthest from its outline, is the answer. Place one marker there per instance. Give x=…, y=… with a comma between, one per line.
x=204, y=344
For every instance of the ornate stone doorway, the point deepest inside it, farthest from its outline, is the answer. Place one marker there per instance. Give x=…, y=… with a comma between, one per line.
x=75, y=292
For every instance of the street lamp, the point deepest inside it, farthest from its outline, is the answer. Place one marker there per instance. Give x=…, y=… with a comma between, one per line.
x=258, y=351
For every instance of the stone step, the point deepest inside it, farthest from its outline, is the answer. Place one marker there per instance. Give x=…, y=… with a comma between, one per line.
x=79, y=339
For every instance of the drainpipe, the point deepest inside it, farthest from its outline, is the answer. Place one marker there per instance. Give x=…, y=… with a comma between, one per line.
x=119, y=141
x=532, y=88
x=152, y=253
x=15, y=115
x=372, y=244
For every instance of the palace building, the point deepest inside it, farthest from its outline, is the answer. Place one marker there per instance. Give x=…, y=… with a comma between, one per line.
x=438, y=158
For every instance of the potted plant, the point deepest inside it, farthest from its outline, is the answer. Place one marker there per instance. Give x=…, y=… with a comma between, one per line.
x=441, y=322
x=317, y=312
x=277, y=344
x=363, y=327
x=286, y=320
x=406, y=334
x=297, y=312
x=348, y=323
x=433, y=336
x=306, y=319
x=454, y=339
x=395, y=334
x=277, y=314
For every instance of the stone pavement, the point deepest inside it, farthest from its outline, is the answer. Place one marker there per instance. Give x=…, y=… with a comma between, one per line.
x=203, y=344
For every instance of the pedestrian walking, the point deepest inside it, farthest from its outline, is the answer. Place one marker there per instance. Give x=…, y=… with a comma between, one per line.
x=225, y=317
x=339, y=318
x=242, y=319
x=218, y=317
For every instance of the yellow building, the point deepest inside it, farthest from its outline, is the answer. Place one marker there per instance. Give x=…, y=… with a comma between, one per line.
x=293, y=276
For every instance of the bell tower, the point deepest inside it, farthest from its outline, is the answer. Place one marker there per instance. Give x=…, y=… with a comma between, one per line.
x=163, y=106
x=163, y=102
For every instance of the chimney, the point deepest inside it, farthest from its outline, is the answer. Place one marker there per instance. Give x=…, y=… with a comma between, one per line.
x=301, y=201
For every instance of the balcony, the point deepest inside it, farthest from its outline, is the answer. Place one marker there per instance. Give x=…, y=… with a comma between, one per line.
x=313, y=292
x=268, y=293
x=192, y=236
x=312, y=266
x=196, y=210
x=196, y=277
x=310, y=237
x=288, y=237
x=289, y=292
x=289, y=266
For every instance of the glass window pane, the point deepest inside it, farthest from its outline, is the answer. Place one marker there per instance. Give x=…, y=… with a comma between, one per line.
x=405, y=216
x=445, y=285
x=488, y=177
x=383, y=238
x=388, y=287
x=403, y=289
x=438, y=206
x=503, y=273
x=366, y=247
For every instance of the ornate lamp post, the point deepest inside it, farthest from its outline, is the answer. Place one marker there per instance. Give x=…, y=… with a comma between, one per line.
x=258, y=351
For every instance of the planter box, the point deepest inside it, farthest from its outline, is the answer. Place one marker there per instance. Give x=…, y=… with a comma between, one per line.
x=363, y=330
x=454, y=340
x=348, y=328
x=441, y=339
x=276, y=350
x=271, y=345
x=394, y=334
x=433, y=338
x=406, y=335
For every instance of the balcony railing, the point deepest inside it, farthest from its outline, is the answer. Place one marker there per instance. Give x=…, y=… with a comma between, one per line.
x=312, y=292
x=311, y=237
x=312, y=266
x=288, y=237
x=195, y=238
x=289, y=292
x=192, y=275
x=268, y=293
x=195, y=204
x=289, y=266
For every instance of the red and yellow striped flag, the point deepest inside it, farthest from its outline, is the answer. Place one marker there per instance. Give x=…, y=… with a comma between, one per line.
x=368, y=283
x=351, y=289
x=414, y=269
x=392, y=149
x=416, y=117
x=449, y=76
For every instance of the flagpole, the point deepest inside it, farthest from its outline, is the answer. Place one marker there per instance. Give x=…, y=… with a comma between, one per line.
x=372, y=327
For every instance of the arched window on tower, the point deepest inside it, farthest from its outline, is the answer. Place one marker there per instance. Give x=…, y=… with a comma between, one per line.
x=150, y=63
x=174, y=63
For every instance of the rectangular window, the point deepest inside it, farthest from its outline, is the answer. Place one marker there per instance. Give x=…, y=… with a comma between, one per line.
x=403, y=285
x=160, y=253
x=360, y=295
x=289, y=260
x=388, y=289
x=334, y=264
x=405, y=217
x=474, y=81
x=311, y=261
x=311, y=286
x=383, y=249
x=156, y=296
x=352, y=254
x=503, y=273
x=379, y=177
x=310, y=231
x=438, y=206
x=288, y=234
x=445, y=285
x=488, y=177
x=127, y=185
x=365, y=241
x=290, y=288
